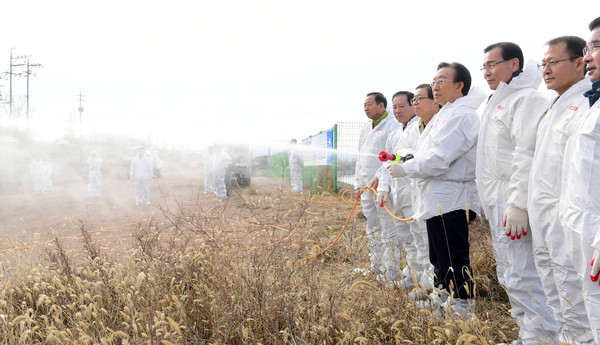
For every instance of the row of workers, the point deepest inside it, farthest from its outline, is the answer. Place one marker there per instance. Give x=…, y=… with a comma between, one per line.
x=140, y=171
x=530, y=163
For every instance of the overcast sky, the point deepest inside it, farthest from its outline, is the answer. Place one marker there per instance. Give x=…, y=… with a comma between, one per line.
x=190, y=72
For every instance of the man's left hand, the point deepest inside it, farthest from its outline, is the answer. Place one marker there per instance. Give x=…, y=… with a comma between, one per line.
x=595, y=266
x=396, y=170
x=515, y=221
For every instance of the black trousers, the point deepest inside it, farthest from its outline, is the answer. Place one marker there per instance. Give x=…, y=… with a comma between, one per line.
x=449, y=252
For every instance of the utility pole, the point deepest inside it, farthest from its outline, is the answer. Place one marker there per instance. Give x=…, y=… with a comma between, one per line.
x=80, y=109
x=10, y=73
x=28, y=72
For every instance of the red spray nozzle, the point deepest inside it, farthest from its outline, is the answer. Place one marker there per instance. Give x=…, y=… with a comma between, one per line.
x=384, y=156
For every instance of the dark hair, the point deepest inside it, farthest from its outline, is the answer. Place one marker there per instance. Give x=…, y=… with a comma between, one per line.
x=409, y=96
x=508, y=50
x=594, y=24
x=462, y=75
x=574, y=44
x=379, y=97
x=429, y=90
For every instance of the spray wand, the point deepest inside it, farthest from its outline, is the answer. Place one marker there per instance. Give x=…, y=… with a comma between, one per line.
x=384, y=156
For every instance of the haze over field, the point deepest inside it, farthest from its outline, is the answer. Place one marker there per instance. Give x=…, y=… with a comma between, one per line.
x=186, y=73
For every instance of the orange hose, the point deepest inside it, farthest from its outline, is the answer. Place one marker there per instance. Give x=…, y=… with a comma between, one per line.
x=342, y=197
x=387, y=209
x=341, y=231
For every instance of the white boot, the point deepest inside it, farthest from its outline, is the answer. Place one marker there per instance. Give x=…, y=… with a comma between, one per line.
x=408, y=281
x=375, y=267
x=459, y=307
x=434, y=300
x=418, y=294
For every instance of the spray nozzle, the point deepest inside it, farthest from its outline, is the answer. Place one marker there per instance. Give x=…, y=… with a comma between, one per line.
x=384, y=156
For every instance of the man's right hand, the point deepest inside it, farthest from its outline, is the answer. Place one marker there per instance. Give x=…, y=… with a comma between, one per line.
x=357, y=194
x=375, y=183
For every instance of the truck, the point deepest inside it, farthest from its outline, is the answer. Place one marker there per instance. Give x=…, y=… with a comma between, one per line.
x=245, y=161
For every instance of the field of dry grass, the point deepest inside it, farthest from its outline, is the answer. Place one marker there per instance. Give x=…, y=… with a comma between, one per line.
x=190, y=269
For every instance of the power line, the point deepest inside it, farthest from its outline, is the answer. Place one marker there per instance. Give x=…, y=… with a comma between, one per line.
x=80, y=109
x=10, y=73
x=17, y=61
x=28, y=72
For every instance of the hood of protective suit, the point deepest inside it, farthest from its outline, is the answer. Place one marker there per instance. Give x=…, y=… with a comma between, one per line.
x=473, y=99
x=531, y=77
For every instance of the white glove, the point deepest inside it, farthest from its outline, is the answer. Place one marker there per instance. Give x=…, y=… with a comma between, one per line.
x=595, y=266
x=396, y=170
x=515, y=221
x=382, y=198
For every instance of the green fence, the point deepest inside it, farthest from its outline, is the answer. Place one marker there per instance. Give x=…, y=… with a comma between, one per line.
x=329, y=169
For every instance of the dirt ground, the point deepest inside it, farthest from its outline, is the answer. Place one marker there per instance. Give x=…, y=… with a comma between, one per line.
x=28, y=220
x=23, y=215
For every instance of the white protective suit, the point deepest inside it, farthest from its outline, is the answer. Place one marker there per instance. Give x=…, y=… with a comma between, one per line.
x=141, y=172
x=209, y=173
x=95, y=176
x=444, y=175
x=505, y=150
x=398, y=235
x=36, y=170
x=47, y=168
x=221, y=161
x=296, y=165
x=557, y=273
x=372, y=141
x=423, y=263
x=579, y=207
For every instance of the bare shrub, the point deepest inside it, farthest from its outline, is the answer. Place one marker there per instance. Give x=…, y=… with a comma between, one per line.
x=236, y=273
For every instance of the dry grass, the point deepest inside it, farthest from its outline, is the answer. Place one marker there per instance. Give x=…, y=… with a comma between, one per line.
x=230, y=273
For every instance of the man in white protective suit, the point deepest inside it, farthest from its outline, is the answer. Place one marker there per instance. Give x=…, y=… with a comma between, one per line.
x=426, y=109
x=209, y=172
x=221, y=162
x=36, y=170
x=580, y=191
x=505, y=150
x=296, y=164
x=140, y=172
x=371, y=142
x=443, y=171
x=47, y=168
x=399, y=236
x=563, y=71
x=95, y=175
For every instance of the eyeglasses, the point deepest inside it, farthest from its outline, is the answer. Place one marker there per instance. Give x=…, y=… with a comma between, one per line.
x=490, y=66
x=440, y=82
x=418, y=100
x=553, y=64
x=591, y=47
